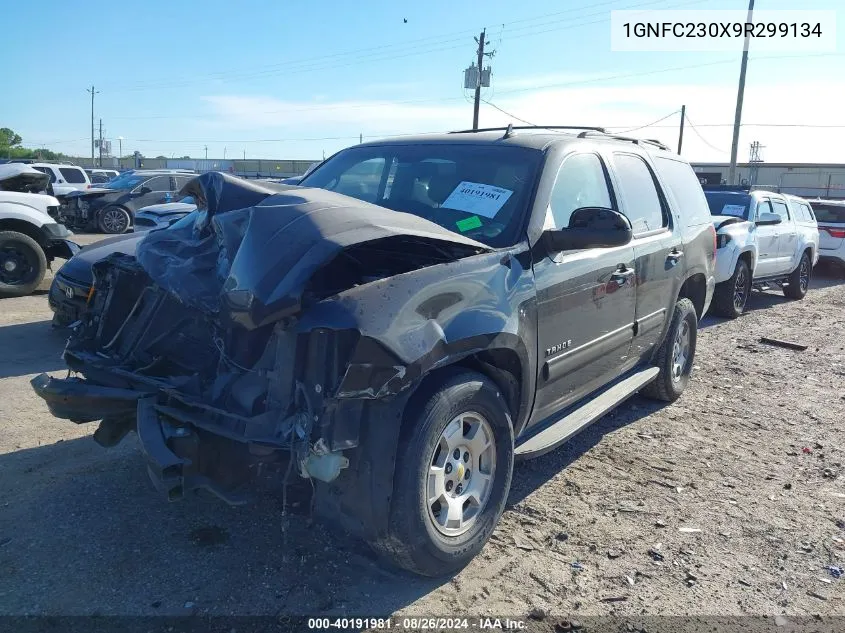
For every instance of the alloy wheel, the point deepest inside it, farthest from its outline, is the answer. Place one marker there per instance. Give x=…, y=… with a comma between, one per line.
x=681, y=350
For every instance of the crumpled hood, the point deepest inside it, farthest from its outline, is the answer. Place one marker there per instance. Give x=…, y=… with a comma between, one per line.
x=253, y=248
x=78, y=267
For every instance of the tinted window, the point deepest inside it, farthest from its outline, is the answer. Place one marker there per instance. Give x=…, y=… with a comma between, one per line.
x=478, y=191
x=72, y=175
x=580, y=182
x=732, y=204
x=685, y=189
x=48, y=171
x=125, y=181
x=780, y=208
x=181, y=181
x=829, y=212
x=159, y=183
x=642, y=202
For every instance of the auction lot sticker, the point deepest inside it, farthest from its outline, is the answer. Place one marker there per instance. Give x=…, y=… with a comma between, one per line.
x=475, y=197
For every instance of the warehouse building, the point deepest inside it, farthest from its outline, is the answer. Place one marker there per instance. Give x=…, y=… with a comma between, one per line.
x=808, y=180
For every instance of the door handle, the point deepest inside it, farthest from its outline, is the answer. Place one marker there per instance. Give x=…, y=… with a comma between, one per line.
x=674, y=255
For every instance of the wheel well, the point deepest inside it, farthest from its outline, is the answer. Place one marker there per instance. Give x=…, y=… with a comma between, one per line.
x=695, y=289
x=22, y=226
x=748, y=260
x=502, y=366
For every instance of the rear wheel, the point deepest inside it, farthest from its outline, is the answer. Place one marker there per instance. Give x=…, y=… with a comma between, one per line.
x=22, y=264
x=453, y=473
x=114, y=220
x=799, y=280
x=675, y=355
x=731, y=295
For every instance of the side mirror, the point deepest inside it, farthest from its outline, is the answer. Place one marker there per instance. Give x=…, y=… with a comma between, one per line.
x=768, y=219
x=143, y=191
x=590, y=227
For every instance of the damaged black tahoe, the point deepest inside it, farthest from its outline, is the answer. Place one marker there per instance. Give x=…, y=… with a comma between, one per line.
x=400, y=328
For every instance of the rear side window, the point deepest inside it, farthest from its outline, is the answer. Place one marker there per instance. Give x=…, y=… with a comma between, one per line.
x=780, y=208
x=830, y=213
x=802, y=211
x=642, y=202
x=159, y=183
x=685, y=189
x=48, y=171
x=73, y=175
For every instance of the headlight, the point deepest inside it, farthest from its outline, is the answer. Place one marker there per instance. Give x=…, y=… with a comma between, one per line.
x=722, y=240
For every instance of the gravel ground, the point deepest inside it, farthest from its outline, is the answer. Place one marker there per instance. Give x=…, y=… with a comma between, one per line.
x=730, y=501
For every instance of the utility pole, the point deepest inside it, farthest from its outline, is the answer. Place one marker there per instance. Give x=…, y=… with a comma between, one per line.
x=681, y=131
x=93, y=92
x=206, y=152
x=755, y=158
x=101, y=143
x=224, y=153
x=360, y=138
x=244, y=154
x=477, y=103
x=739, y=95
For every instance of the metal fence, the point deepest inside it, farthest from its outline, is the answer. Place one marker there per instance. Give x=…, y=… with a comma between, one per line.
x=250, y=168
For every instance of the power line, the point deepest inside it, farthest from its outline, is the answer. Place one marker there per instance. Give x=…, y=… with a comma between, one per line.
x=634, y=129
x=703, y=140
x=493, y=105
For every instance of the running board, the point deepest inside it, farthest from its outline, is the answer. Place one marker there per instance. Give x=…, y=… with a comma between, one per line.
x=559, y=432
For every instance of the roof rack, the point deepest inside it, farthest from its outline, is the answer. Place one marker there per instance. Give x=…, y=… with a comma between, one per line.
x=630, y=139
x=531, y=127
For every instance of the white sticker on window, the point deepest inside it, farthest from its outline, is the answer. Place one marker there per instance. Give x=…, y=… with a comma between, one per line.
x=735, y=210
x=474, y=197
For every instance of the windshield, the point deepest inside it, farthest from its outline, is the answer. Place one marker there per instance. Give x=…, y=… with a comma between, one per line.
x=480, y=191
x=727, y=203
x=125, y=181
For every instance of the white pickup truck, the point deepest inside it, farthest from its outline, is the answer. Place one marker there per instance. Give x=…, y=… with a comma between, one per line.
x=762, y=238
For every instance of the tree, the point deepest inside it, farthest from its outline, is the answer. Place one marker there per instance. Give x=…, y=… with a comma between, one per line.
x=8, y=138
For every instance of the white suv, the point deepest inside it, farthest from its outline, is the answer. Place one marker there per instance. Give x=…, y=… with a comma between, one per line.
x=831, y=218
x=64, y=178
x=762, y=238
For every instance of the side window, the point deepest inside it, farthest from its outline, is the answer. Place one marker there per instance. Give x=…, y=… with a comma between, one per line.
x=580, y=182
x=73, y=175
x=763, y=207
x=48, y=171
x=181, y=181
x=810, y=213
x=780, y=208
x=685, y=188
x=642, y=202
x=158, y=183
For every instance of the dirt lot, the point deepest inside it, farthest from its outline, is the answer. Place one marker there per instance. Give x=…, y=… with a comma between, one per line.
x=737, y=487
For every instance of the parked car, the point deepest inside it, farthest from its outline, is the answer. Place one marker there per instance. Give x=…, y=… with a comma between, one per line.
x=763, y=238
x=110, y=208
x=29, y=237
x=830, y=215
x=100, y=176
x=160, y=216
x=64, y=178
x=487, y=297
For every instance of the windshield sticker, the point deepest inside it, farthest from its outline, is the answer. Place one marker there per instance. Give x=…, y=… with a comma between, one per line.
x=468, y=224
x=474, y=197
x=735, y=210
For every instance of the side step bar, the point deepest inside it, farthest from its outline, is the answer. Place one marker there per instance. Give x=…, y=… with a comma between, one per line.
x=553, y=436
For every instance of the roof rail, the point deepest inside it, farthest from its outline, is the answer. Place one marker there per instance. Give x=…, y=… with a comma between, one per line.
x=630, y=139
x=531, y=127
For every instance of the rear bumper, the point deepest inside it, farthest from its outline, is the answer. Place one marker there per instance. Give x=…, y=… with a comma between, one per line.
x=835, y=256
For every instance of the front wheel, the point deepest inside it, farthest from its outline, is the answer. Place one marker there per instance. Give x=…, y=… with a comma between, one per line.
x=114, y=220
x=453, y=474
x=799, y=280
x=22, y=264
x=731, y=295
x=675, y=355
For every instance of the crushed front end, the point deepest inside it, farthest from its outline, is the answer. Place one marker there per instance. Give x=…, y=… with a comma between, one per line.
x=227, y=343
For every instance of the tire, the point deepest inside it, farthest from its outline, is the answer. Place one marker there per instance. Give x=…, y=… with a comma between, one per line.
x=22, y=264
x=417, y=538
x=799, y=279
x=114, y=220
x=730, y=296
x=674, y=370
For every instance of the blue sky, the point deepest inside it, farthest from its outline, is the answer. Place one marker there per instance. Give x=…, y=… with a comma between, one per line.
x=294, y=80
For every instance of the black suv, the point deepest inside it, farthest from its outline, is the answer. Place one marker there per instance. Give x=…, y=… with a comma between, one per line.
x=110, y=207
x=401, y=327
